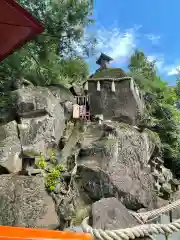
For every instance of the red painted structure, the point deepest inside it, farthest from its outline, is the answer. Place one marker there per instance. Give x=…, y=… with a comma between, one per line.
x=17, y=26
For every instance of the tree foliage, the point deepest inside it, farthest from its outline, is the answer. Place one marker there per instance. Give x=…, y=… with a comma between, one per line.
x=140, y=64
x=160, y=99
x=52, y=56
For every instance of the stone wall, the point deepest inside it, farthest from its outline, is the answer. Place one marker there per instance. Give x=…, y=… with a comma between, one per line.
x=121, y=105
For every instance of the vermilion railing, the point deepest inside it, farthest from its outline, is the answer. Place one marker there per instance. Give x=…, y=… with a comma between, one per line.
x=19, y=233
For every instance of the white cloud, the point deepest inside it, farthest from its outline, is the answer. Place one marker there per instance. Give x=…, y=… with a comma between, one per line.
x=120, y=45
x=173, y=71
x=162, y=67
x=151, y=58
x=153, y=38
x=117, y=44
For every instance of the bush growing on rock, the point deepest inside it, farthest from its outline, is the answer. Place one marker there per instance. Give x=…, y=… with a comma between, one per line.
x=53, y=173
x=41, y=161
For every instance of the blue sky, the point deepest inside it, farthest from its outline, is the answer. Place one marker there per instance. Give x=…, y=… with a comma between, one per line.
x=152, y=26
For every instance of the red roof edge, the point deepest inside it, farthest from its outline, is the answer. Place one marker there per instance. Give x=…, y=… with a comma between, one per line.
x=37, y=27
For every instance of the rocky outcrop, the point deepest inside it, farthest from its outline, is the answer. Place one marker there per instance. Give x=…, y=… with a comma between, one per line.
x=61, y=93
x=40, y=120
x=36, y=126
x=65, y=98
x=116, y=164
x=89, y=162
x=24, y=202
x=111, y=214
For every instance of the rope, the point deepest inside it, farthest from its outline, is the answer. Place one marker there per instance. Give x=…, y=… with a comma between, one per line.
x=151, y=215
x=141, y=222
x=140, y=230
x=131, y=233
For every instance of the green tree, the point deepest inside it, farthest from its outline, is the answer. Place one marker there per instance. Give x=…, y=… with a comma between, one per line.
x=139, y=64
x=160, y=99
x=53, y=56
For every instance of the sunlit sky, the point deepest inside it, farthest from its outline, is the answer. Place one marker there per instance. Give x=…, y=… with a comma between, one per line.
x=151, y=26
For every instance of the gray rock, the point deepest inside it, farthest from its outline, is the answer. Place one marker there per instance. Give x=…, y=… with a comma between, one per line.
x=24, y=202
x=96, y=182
x=42, y=118
x=33, y=102
x=64, y=207
x=65, y=98
x=68, y=109
x=111, y=214
x=61, y=93
x=117, y=165
x=10, y=148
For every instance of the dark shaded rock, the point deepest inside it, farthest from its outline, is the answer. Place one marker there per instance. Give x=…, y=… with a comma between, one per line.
x=77, y=90
x=10, y=148
x=21, y=83
x=24, y=202
x=98, y=184
x=7, y=112
x=111, y=214
x=65, y=203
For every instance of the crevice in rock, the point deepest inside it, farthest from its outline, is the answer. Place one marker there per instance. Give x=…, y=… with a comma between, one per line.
x=35, y=113
x=18, y=121
x=72, y=142
x=3, y=170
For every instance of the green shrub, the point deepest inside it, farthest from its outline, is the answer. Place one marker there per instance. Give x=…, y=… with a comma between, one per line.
x=41, y=161
x=52, y=156
x=54, y=176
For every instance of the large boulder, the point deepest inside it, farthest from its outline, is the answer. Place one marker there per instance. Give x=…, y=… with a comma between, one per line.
x=116, y=164
x=10, y=148
x=41, y=116
x=111, y=214
x=34, y=102
x=24, y=202
x=65, y=98
x=62, y=93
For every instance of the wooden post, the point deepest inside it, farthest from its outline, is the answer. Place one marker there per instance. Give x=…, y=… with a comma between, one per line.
x=166, y=236
x=170, y=216
x=170, y=212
